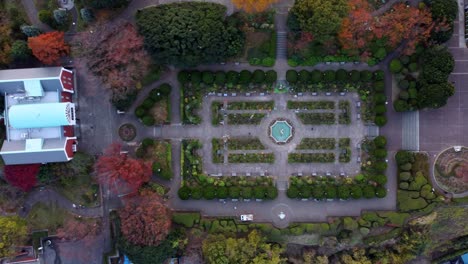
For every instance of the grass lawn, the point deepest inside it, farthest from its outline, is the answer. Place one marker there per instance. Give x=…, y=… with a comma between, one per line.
x=43, y=216
x=84, y=190
x=160, y=154
x=36, y=238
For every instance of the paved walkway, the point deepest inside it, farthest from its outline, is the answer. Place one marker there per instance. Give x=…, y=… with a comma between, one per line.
x=410, y=131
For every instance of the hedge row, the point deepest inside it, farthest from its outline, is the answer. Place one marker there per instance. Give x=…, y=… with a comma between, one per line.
x=231, y=77
x=338, y=76
x=222, y=192
x=157, y=94
x=336, y=190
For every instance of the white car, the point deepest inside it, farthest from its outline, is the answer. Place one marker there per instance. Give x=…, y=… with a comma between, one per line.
x=246, y=217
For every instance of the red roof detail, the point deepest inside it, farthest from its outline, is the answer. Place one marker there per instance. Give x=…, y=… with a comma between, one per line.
x=68, y=131
x=66, y=78
x=66, y=97
x=69, y=147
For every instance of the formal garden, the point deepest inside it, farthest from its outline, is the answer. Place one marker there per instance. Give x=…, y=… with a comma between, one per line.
x=450, y=170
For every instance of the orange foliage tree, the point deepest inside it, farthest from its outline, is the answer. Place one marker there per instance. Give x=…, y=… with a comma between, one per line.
x=252, y=6
x=76, y=229
x=120, y=171
x=49, y=47
x=401, y=23
x=145, y=220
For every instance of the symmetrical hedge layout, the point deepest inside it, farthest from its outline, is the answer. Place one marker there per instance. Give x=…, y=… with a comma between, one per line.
x=317, y=143
x=317, y=118
x=196, y=84
x=311, y=105
x=155, y=109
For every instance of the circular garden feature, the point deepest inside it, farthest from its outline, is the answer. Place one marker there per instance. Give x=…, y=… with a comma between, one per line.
x=127, y=132
x=281, y=132
x=451, y=170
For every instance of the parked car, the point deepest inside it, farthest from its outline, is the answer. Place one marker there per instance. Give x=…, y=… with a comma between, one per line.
x=246, y=217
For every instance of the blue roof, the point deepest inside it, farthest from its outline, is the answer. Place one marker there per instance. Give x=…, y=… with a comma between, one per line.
x=39, y=115
x=465, y=258
x=127, y=261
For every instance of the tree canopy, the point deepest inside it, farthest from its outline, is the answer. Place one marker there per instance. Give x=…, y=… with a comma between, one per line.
x=252, y=6
x=218, y=249
x=22, y=176
x=185, y=34
x=49, y=47
x=13, y=232
x=322, y=18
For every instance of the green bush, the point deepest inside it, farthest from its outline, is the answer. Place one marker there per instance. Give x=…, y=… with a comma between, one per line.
x=220, y=78
x=140, y=111
x=246, y=193
x=401, y=106
x=197, y=193
x=379, y=86
x=268, y=62
x=232, y=77
x=380, y=141
x=355, y=76
x=403, y=185
x=270, y=77
x=403, y=157
x=183, y=77
x=147, y=103
x=209, y=192
x=403, y=84
x=380, y=98
x=46, y=17
x=330, y=192
x=404, y=95
x=368, y=191
x=356, y=192
x=395, y=66
x=291, y=76
x=380, y=192
x=381, y=179
x=380, y=109
x=304, y=76
x=292, y=192
x=165, y=89
x=380, y=120
x=271, y=192
x=259, y=192
x=146, y=142
x=207, y=77
x=405, y=175
x=186, y=219
x=195, y=77
x=234, y=192
x=245, y=77
x=222, y=192
x=316, y=76
x=413, y=67
x=344, y=192
x=148, y=120
x=406, y=167
x=366, y=76
x=379, y=75
x=342, y=75
x=380, y=166
x=329, y=76
x=380, y=153
x=184, y=193
x=258, y=76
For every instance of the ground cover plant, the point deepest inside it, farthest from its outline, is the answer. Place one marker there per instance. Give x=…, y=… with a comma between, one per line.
x=317, y=143
x=156, y=108
x=311, y=105
x=311, y=157
x=369, y=85
x=217, y=150
x=260, y=37
x=205, y=35
x=344, y=145
x=251, y=158
x=159, y=154
x=196, y=84
x=344, y=117
x=317, y=118
x=216, y=114
x=251, y=105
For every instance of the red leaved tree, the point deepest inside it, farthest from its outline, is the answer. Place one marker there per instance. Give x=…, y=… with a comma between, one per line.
x=252, y=6
x=22, y=176
x=49, y=47
x=356, y=29
x=76, y=229
x=119, y=171
x=145, y=220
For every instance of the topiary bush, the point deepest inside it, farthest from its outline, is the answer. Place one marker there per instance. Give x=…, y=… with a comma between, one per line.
x=270, y=77
x=292, y=192
x=220, y=78
x=245, y=77
x=316, y=76
x=329, y=76
x=184, y=193
x=355, y=76
x=379, y=75
x=304, y=76
x=207, y=77
x=147, y=103
x=379, y=86
x=401, y=106
x=380, y=141
x=258, y=76
x=403, y=157
x=291, y=76
x=395, y=66
x=380, y=98
x=366, y=76
x=380, y=109
x=195, y=77
x=232, y=77
x=148, y=120
x=380, y=153
x=380, y=120
x=342, y=75
x=183, y=77
x=165, y=89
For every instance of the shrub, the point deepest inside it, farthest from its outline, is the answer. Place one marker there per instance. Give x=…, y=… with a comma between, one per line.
x=195, y=77
x=380, y=109
x=146, y=142
x=305, y=192
x=222, y=192
x=380, y=166
x=341, y=75
x=292, y=192
x=380, y=192
x=271, y=192
x=291, y=76
x=184, y=193
x=232, y=77
x=147, y=103
x=380, y=120
x=209, y=192
x=403, y=84
x=207, y=77
x=379, y=86
x=380, y=141
x=316, y=76
x=183, y=77
x=405, y=175
x=365, y=76
x=30, y=31
x=234, y=192
x=343, y=192
x=268, y=62
x=20, y=50
x=258, y=76
x=379, y=75
x=246, y=193
x=304, y=76
x=368, y=191
x=165, y=89
x=401, y=106
x=380, y=98
x=60, y=16
x=148, y=120
x=220, y=78
x=413, y=93
x=403, y=157
x=413, y=67
x=380, y=153
x=356, y=192
x=186, y=219
x=329, y=76
x=259, y=192
x=395, y=66
x=380, y=179
x=355, y=76
x=404, y=60
x=403, y=185
x=406, y=166
x=404, y=95
x=270, y=77
x=45, y=16
x=245, y=77
x=330, y=192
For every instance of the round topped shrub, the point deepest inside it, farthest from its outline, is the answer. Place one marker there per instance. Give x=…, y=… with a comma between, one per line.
x=184, y=193
x=183, y=77
x=207, y=77
x=258, y=76
x=366, y=76
x=304, y=76
x=195, y=77
x=395, y=66
x=232, y=77
x=380, y=109
x=220, y=78
x=147, y=103
x=291, y=76
x=355, y=76
x=342, y=75
x=270, y=77
x=380, y=120
x=380, y=141
x=329, y=76
x=245, y=77
x=316, y=76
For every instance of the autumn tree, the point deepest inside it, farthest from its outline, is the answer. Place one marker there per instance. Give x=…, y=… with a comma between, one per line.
x=252, y=6
x=77, y=229
x=253, y=249
x=13, y=232
x=119, y=170
x=356, y=29
x=322, y=18
x=145, y=220
x=5, y=39
x=49, y=47
x=115, y=53
x=22, y=176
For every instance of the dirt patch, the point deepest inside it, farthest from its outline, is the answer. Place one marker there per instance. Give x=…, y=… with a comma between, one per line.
x=160, y=112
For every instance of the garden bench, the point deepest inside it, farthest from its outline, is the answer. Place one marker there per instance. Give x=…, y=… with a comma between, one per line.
x=247, y=94
x=220, y=94
x=314, y=174
x=299, y=94
x=342, y=94
x=358, y=104
x=225, y=95
x=314, y=94
x=299, y=174
x=328, y=94
x=234, y=94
